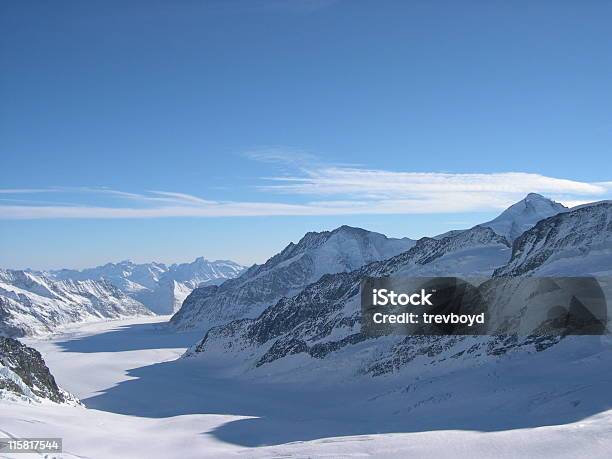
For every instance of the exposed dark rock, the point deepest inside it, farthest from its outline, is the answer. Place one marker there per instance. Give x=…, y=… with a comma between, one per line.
x=28, y=364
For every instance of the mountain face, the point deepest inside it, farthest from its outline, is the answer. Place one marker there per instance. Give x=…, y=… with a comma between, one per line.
x=324, y=319
x=159, y=287
x=573, y=243
x=23, y=374
x=35, y=303
x=474, y=252
x=285, y=274
x=523, y=215
x=318, y=331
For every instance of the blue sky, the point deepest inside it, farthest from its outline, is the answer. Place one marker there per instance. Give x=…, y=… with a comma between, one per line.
x=168, y=130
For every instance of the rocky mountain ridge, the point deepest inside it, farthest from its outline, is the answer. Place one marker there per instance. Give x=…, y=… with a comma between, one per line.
x=24, y=375
x=286, y=273
x=319, y=328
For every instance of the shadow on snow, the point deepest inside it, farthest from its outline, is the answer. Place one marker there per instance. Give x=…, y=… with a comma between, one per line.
x=131, y=338
x=537, y=390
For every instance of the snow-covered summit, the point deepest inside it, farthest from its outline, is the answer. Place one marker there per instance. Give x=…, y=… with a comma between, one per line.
x=519, y=217
x=201, y=271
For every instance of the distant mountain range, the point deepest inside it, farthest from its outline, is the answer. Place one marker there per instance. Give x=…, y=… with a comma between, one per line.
x=34, y=303
x=159, y=287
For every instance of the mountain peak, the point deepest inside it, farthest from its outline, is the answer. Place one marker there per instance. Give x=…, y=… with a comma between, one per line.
x=521, y=216
x=346, y=229
x=543, y=202
x=538, y=198
x=535, y=196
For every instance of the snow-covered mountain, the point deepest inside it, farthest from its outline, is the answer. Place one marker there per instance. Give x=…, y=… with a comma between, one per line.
x=574, y=243
x=288, y=272
x=34, y=303
x=318, y=331
x=520, y=217
x=24, y=375
x=324, y=319
x=160, y=287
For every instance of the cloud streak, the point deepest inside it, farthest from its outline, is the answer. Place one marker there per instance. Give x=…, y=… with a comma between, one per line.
x=333, y=190
x=386, y=184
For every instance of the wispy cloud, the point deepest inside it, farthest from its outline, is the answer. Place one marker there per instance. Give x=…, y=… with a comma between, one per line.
x=335, y=190
x=281, y=155
x=380, y=184
x=25, y=190
x=179, y=198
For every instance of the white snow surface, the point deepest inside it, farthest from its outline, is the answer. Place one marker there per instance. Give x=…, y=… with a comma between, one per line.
x=142, y=403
